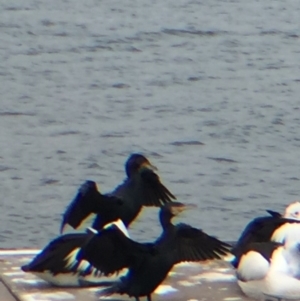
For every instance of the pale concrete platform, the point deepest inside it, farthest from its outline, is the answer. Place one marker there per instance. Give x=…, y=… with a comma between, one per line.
x=209, y=281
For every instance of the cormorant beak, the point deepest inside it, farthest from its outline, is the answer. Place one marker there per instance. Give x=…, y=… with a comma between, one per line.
x=189, y=207
x=178, y=209
x=148, y=165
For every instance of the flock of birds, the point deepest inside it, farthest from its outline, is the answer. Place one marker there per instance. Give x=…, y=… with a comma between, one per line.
x=266, y=257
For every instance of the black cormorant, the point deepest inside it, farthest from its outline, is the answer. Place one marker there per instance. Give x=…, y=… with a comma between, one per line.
x=149, y=263
x=142, y=187
x=57, y=263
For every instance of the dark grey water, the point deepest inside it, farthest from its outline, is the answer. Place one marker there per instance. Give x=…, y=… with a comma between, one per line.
x=208, y=90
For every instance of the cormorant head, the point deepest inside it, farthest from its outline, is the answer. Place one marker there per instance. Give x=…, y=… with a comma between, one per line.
x=293, y=211
x=169, y=210
x=135, y=162
x=175, y=208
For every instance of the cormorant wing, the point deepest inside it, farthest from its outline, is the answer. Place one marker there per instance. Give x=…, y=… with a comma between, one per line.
x=155, y=193
x=190, y=244
x=110, y=250
x=82, y=205
x=57, y=255
x=145, y=187
x=87, y=203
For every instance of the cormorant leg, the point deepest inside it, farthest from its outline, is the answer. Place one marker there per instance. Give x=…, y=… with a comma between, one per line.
x=149, y=298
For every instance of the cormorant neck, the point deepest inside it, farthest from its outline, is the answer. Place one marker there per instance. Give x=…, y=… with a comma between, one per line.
x=165, y=218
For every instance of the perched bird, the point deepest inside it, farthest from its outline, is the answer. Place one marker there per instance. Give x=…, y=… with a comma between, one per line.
x=149, y=263
x=271, y=269
x=267, y=228
x=57, y=263
x=142, y=187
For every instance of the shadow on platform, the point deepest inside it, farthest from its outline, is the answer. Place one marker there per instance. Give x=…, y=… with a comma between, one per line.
x=208, y=281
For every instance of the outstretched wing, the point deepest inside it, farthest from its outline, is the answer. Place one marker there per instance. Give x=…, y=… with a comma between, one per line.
x=154, y=192
x=190, y=244
x=82, y=206
x=57, y=257
x=110, y=250
x=87, y=203
x=144, y=188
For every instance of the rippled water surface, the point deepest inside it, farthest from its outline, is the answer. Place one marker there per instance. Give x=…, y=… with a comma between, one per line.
x=208, y=90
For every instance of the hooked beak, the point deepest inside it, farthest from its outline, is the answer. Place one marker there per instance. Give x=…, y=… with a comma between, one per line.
x=183, y=207
x=190, y=206
x=148, y=165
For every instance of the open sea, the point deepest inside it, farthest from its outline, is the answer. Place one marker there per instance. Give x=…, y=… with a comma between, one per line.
x=209, y=91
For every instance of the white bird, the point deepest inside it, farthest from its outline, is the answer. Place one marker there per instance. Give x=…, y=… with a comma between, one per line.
x=267, y=228
x=271, y=269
